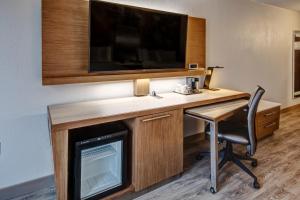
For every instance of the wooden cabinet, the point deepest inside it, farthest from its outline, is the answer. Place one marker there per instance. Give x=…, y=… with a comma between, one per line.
x=158, y=148
x=267, y=119
x=157, y=133
x=196, y=42
x=65, y=47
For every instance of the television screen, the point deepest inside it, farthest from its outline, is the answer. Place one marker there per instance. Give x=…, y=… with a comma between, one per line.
x=130, y=38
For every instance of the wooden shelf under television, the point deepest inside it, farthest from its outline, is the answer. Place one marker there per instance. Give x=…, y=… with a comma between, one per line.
x=116, y=77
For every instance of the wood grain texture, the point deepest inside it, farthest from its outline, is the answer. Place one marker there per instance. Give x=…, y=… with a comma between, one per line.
x=158, y=148
x=196, y=42
x=60, y=157
x=290, y=108
x=278, y=171
x=75, y=115
x=219, y=111
x=267, y=119
x=65, y=46
x=267, y=122
x=168, y=131
x=65, y=38
x=267, y=116
x=58, y=80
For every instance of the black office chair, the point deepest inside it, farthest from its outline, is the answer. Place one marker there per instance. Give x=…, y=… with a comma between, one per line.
x=241, y=130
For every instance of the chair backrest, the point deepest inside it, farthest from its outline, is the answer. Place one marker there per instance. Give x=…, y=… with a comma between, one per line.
x=252, y=109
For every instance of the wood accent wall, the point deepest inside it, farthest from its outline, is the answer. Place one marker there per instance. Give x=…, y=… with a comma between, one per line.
x=65, y=43
x=196, y=45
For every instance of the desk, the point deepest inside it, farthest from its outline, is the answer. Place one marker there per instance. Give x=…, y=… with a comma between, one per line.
x=79, y=114
x=64, y=117
x=213, y=114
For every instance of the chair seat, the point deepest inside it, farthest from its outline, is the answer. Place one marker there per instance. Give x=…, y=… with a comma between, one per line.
x=234, y=137
x=234, y=133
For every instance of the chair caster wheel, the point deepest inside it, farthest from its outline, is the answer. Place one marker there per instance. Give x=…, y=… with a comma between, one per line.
x=199, y=157
x=256, y=185
x=212, y=190
x=254, y=164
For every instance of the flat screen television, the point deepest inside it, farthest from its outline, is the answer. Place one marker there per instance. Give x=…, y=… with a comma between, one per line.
x=125, y=38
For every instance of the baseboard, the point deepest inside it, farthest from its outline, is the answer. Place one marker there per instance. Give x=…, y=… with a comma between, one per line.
x=287, y=109
x=27, y=187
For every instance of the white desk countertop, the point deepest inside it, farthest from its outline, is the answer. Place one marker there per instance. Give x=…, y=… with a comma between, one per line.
x=73, y=112
x=265, y=105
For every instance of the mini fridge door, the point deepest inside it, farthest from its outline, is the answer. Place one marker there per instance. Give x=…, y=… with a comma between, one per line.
x=100, y=166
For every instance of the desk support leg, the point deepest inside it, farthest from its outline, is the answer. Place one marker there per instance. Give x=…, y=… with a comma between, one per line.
x=214, y=156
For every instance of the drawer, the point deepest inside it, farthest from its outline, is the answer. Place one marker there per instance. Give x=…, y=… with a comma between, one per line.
x=266, y=129
x=267, y=121
x=266, y=117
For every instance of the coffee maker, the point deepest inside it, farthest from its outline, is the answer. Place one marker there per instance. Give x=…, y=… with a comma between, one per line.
x=194, y=84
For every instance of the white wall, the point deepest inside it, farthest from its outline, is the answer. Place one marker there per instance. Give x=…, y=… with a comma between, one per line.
x=252, y=41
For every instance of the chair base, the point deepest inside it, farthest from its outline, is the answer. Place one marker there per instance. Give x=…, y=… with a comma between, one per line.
x=203, y=154
x=229, y=155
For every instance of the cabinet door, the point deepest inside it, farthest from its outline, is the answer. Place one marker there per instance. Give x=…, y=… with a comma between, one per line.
x=158, y=148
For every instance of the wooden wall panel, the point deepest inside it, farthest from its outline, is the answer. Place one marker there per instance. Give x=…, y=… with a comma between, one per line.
x=196, y=41
x=65, y=43
x=65, y=37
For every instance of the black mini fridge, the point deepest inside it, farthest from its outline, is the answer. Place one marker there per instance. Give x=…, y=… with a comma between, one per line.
x=98, y=161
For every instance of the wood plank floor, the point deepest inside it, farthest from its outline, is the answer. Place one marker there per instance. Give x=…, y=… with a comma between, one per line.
x=278, y=171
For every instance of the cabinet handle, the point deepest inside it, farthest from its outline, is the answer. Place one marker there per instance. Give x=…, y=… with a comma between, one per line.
x=270, y=125
x=269, y=114
x=155, y=118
